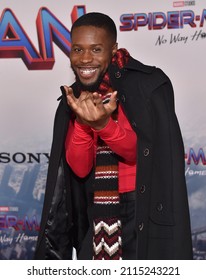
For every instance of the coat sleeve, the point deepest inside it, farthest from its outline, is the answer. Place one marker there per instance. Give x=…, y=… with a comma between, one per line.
x=55, y=235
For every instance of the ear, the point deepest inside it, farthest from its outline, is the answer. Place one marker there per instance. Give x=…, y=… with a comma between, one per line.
x=114, y=49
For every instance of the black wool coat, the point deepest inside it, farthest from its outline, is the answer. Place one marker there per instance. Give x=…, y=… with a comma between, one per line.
x=162, y=213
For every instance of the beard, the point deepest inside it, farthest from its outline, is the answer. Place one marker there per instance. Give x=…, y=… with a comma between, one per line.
x=93, y=87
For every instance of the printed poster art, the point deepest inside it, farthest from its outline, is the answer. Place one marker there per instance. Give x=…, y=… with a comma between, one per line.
x=34, y=60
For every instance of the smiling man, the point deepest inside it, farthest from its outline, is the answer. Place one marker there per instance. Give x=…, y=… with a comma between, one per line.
x=91, y=54
x=116, y=187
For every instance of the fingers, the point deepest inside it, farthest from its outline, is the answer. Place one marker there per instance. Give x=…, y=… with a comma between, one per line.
x=86, y=96
x=89, y=107
x=113, y=99
x=112, y=104
x=68, y=90
x=97, y=99
x=71, y=100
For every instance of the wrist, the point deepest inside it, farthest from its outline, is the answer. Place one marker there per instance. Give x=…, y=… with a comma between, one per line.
x=103, y=127
x=79, y=121
x=100, y=125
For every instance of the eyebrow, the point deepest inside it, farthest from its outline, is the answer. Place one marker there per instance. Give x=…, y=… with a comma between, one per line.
x=92, y=45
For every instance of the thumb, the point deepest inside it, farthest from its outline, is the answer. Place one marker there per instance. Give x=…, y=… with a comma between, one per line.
x=113, y=100
x=69, y=94
x=112, y=104
x=68, y=90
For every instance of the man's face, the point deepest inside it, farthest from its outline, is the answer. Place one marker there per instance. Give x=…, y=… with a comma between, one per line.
x=91, y=53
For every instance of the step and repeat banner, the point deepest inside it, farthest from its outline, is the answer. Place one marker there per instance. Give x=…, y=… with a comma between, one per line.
x=34, y=63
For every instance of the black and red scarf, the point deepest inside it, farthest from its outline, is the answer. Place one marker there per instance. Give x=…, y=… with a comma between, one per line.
x=107, y=230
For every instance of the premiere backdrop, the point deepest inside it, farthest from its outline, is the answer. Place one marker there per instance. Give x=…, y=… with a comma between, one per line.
x=34, y=63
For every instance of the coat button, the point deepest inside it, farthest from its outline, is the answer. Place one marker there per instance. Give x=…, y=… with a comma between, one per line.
x=159, y=207
x=142, y=189
x=146, y=152
x=123, y=98
x=141, y=226
x=49, y=223
x=118, y=74
x=134, y=124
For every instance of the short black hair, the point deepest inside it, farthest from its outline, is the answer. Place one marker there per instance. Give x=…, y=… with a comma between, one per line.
x=98, y=20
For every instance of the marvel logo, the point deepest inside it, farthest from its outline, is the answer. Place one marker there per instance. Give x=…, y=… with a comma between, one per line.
x=183, y=3
x=4, y=208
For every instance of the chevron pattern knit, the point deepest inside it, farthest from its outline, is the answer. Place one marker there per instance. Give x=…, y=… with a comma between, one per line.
x=107, y=242
x=107, y=225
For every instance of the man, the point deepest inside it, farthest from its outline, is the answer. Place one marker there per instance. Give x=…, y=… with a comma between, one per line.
x=116, y=187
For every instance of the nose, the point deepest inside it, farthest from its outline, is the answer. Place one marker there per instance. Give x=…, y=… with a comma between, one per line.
x=86, y=57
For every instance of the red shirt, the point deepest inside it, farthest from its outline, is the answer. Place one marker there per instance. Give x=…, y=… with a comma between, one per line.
x=81, y=143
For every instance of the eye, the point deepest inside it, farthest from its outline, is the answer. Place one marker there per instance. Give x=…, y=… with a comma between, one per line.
x=76, y=49
x=97, y=49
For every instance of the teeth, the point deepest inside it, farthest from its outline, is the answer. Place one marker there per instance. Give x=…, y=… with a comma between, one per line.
x=87, y=71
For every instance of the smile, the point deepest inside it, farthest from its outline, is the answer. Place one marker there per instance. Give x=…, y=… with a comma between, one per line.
x=87, y=72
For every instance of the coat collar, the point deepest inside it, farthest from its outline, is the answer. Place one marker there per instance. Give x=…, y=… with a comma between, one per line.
x=134, y=64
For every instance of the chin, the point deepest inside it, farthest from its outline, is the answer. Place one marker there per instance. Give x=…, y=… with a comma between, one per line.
x=89, y=87
x=92, y=87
